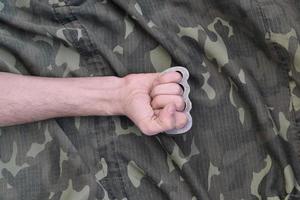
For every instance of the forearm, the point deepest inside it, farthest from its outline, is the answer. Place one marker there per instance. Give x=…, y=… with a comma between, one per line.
x=27, y=98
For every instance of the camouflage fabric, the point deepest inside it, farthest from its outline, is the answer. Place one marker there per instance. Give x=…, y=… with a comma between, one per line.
x=244, y=61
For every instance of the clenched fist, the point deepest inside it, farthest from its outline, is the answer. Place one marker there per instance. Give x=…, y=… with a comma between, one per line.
x=154, y=102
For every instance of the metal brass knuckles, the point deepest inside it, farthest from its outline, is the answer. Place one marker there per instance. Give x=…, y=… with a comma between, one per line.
x=188, y=104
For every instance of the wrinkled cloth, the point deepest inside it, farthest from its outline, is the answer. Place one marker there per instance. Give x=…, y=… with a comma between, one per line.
x=244, y=62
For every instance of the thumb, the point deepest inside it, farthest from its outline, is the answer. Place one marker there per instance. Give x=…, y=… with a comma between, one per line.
x=166, y=118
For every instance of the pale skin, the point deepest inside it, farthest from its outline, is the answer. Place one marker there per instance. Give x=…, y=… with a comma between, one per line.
x=153, y=101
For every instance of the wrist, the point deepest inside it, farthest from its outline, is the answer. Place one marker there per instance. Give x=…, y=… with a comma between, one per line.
x=129, y=88
x=109, y=96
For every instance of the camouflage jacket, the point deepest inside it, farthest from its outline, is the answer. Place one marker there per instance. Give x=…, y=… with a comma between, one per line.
x=244, y=61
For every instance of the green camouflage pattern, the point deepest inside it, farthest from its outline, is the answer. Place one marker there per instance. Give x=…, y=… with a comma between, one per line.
x=244, y=60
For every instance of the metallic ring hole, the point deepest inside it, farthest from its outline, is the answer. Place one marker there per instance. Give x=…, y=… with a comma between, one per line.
x=182, y=87
x=180, y=73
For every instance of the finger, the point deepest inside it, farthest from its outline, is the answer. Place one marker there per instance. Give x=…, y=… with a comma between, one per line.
x=161, y=101
x=181, y=120
x=164, y=121
x=170, y=77
x=166, y=89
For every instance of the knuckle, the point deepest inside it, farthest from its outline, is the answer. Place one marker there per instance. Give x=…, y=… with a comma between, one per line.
x=183, y=122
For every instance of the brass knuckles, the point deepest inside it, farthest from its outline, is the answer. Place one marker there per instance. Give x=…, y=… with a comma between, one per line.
x=188, y=103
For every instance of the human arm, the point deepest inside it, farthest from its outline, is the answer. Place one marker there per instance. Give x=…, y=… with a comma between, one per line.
x=152, y=101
